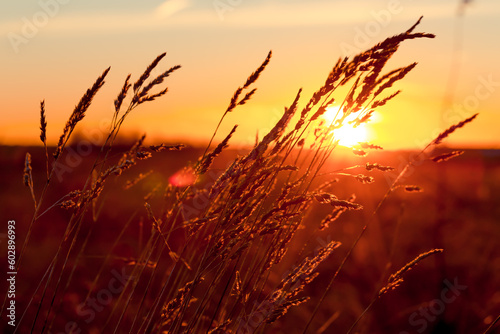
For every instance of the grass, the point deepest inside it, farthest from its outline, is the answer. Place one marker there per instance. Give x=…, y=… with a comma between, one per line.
x=218, y=250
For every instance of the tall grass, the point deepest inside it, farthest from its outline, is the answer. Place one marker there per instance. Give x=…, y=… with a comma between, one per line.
x=212, y=268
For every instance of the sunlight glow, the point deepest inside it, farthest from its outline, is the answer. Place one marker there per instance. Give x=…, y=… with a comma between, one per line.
x=347, y=135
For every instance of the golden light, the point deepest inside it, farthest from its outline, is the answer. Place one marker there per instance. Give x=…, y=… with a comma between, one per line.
x=347, y=135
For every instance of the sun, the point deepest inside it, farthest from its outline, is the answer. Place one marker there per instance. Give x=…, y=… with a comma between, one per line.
x=347, y=135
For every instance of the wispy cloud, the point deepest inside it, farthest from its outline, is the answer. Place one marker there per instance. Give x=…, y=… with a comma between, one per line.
x=264, y=14
x=170, y=7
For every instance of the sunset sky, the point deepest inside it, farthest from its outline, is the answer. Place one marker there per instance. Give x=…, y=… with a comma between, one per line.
x=55, y=49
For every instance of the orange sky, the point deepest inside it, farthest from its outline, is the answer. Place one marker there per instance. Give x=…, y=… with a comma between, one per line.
x=219, y=43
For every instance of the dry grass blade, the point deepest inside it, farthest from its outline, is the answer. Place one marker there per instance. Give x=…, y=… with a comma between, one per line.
x=162, y=147
x=250, y=80
x=276, y=131
x=395, y=76
x=369, y=146
x=28, y=177
x=255, y=75
x=79, y=112
x=412, y=189
x=412, y=263
x=447, y=156
x=43, y=135
x=208, y=159
x=382, y=102
x=359, y=153
x=233, y=103
x=372, y=166
x=158, y=80
x=339, y=203
x=43, y=123
x=395, y=40
x=394, y=281
x=140, y=177
x=123, y=93
x=145, y=98
x=397, y=278
x=324, y=198
x=247, y=97
x=27, y=171
x=170, y=311
x=364, y=179
x=147, y=72
x=325, y=223
x=452, y=129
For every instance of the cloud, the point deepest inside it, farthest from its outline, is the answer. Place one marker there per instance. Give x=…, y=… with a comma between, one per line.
x=170, y=7
x=187, y=13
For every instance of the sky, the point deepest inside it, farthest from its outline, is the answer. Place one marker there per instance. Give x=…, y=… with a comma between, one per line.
x=53, y=50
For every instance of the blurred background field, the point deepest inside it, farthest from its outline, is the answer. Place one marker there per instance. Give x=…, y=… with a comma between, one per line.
x=458, y=210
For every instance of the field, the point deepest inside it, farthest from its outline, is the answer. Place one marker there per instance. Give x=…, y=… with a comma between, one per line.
x=310, y=229
x=457, y=211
